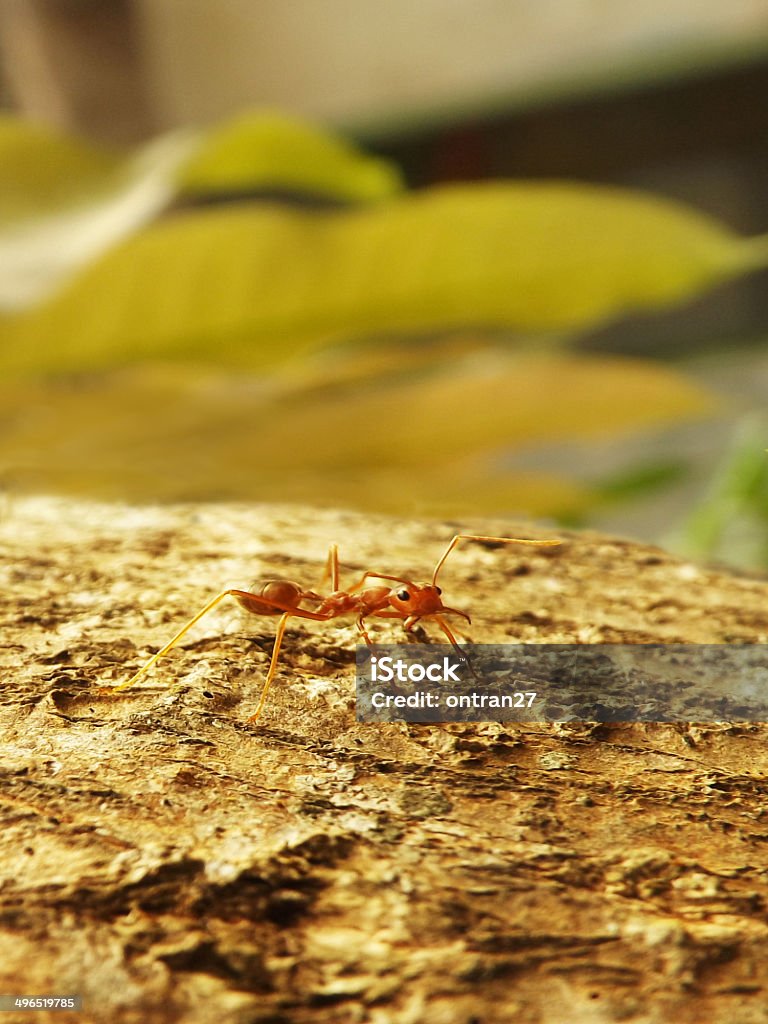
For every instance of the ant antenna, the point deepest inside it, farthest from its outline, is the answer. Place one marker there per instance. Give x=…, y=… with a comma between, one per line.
x=499, y=540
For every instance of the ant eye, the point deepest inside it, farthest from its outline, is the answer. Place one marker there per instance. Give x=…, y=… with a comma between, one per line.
x=438, y=590
x=403, y=595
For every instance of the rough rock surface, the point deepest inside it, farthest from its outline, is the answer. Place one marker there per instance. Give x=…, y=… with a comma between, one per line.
x=171, y=862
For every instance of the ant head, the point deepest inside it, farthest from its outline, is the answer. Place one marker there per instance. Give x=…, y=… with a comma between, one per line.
x=416, y=599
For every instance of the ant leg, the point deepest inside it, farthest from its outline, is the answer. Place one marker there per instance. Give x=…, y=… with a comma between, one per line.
x=171, y=643
x=331, y=571
x=461, y=654
x=409, y=623
x=251, y=602
x=272, y=665
x=455, y=630
x=280, y=632
x=501, y=540
x=444, y=626
x=363, y=630
x=369, y=575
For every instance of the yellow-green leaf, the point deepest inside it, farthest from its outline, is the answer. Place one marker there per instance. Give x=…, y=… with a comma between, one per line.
x=272, y=151
x=408, y=446
x=41, y=170
x=492, y=401
x=65, y=204
x=251, y=285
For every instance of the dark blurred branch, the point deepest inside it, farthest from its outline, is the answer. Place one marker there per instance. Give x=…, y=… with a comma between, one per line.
x=77, y=64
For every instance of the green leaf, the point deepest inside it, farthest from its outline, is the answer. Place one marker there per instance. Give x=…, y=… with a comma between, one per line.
x=271, y=151
x=253, y=285
x=639, y=481
x=730, y=521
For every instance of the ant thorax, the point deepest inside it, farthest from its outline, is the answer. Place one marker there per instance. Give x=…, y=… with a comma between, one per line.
x=366, y=602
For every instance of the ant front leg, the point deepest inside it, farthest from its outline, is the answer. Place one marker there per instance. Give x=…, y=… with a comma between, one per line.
x=462, y=655
x=372, y=601
x=363, y=631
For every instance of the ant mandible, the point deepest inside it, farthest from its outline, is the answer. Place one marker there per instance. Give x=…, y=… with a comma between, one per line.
x=411, y=602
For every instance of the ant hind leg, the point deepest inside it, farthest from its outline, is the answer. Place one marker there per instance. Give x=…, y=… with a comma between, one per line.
x=272, y=665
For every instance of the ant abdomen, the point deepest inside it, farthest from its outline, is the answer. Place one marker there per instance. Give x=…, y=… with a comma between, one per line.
x=283, y=593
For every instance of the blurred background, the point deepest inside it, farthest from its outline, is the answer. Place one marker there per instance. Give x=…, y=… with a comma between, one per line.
x=459, y=257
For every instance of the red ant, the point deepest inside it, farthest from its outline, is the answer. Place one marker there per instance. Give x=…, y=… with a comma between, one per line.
x=408, y=601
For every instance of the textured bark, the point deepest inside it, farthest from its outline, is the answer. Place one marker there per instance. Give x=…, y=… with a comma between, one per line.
x=171, y=862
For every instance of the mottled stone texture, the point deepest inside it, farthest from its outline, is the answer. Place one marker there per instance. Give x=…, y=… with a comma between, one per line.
x=172, y=863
